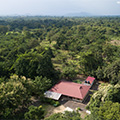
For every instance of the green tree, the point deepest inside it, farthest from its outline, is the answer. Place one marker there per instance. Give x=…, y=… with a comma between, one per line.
x=113, y=94
x=12, y=96
x=87, y=62
x=105, y=93
x=3, y=29
x=112, y=72
x=34, y=113
x=107, y=111
x=108, y=52
x=34, y=64
x=41, y=85
x=99, y=73
x=65, y=116
x=69, y=72
x=26, y=82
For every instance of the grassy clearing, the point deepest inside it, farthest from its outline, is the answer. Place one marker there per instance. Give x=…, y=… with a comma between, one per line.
x=115, y=42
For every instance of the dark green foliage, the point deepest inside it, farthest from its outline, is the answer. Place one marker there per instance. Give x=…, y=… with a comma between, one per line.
x=34, y=64
x=105, y=93
x=112, y=72
x=3, y=29
x=15, y=94
x=107, y=111
x=108, y=52
x=105, y=103
x=74, y=44
x=53, y=47
x=88, y=61
x=56, y=104
x=100, y=73
x=50, y=101
x=40, y=85
x=65, y=116
x=113, y=94
x=54, y=117
x=34, y=113
x=12, y=96
x=26, y=82
x=69, y=72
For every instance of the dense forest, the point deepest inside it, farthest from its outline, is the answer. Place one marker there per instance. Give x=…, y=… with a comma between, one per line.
x=36, y=52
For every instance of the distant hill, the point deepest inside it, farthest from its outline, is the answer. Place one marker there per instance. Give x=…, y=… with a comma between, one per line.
x=81, y=14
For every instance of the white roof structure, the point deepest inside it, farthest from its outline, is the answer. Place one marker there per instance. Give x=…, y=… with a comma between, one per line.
x=52, y=95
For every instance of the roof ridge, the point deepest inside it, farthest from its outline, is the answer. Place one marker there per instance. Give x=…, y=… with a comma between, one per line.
x=71, y=89
x=81, y=91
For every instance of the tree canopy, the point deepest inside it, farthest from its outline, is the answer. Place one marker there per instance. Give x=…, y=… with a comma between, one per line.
x=65, y=116
x=43, y=50
x=107, y=111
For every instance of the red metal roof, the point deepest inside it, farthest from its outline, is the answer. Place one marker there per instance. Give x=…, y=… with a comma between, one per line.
x=71, y=89
x=90, y=79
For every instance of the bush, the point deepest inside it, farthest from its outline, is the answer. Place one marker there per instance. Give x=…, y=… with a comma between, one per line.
x=51, y=102
x=48, y=100
x=79, y=109
x=56, y=104
x=34, y=113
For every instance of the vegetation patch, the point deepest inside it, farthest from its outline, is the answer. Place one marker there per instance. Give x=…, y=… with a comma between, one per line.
x=77, y=81
x=36, y=52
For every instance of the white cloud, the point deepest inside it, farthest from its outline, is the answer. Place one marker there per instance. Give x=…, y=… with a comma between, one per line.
x=118, y=2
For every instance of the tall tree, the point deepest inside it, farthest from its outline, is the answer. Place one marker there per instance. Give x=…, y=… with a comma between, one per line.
x=107, y=111
x=13, y=96
x=112, y=72
x=34, y=64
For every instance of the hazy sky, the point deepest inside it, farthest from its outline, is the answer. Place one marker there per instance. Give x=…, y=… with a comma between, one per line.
x=59, y=7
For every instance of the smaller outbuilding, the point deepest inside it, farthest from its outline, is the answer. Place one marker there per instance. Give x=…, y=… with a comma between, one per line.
x=89, y=81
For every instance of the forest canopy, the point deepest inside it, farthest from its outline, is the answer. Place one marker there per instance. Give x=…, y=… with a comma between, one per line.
x=36, y=51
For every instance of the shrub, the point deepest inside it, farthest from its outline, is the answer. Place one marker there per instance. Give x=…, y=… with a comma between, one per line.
x=79, y=109
x=56, y=104
x=51, y=102
x=34, y=113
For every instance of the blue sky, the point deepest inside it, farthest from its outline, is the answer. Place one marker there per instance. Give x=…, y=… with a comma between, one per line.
x=59, y=7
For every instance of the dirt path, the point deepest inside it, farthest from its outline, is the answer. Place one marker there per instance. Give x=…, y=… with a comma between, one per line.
x=61, y=108
x=74, y=105
x=71, y=104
